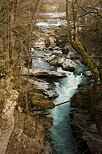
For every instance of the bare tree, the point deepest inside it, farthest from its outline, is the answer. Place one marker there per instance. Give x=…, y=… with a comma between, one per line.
x=74, y=39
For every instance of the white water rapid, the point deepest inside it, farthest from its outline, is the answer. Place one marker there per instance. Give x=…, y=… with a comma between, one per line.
x=62, y=137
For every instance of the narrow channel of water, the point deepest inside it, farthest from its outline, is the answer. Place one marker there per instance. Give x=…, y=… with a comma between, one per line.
x=62, y=137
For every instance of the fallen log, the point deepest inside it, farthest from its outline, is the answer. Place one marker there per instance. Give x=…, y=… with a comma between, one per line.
x=62, y=103
x=51, y=108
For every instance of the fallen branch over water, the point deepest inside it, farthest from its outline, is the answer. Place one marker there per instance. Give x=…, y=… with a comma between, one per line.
x=51, y=108
x=62, y=103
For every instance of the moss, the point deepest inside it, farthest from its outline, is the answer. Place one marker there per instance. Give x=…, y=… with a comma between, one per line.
x=38, y=101
x=35, y=101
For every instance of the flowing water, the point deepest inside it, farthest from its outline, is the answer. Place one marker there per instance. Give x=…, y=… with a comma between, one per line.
x=62, y=138
x=54, y=19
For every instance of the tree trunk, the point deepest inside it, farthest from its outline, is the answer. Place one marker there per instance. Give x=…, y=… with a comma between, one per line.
x=12, y=24
x=76, y=44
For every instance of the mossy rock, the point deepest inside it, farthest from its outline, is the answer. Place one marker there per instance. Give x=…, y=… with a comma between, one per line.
x=35, y=101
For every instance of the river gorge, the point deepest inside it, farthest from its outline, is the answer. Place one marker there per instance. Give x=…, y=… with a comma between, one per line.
x=62, y=138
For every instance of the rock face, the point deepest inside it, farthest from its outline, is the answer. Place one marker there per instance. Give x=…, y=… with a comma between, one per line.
x=74, y=55
x=29, y=134
x=7, y=119
x=22, y=132
x=58, y=59
x=90, y=130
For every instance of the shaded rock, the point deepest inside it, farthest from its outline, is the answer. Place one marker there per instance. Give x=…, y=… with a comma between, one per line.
x=48, y=149
x=65, y=49
x=91, y=128
x=74, y=55
x=69, y=65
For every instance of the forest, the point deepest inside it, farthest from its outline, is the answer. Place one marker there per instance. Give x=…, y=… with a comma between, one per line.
x=50, y=77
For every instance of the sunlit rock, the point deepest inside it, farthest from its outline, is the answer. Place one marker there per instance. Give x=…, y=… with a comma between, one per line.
x=69, y=65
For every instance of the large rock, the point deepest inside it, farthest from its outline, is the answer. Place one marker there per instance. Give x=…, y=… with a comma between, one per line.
x=69, y=65
x=42, y=73
x=88, y=73
x=51, y=93
x=56, y=58
x=49, y=57
x=45, y=87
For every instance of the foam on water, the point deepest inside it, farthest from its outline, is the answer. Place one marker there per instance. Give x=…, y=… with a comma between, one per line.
x=61, y=131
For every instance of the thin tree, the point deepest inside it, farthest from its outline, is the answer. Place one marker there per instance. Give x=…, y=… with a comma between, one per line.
x=73, y=38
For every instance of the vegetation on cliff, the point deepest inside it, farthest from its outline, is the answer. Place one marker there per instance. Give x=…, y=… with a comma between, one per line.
x=78, y=15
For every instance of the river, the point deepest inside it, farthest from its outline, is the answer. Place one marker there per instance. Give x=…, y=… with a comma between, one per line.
x=62, y=138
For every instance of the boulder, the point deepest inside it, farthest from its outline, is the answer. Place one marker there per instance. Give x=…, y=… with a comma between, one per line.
x=51, y=93
x=87, y=73
x=40, y=43
x=56, y=58
x=49, y=57
x=69, y=65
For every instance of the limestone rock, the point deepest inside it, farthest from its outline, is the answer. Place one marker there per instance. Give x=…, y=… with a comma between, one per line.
x=88, y=73
x=69, y=65
x=45, y=87
x=42, y=73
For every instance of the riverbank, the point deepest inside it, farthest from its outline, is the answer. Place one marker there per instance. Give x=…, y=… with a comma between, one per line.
x=87, y=128
x=20, y=126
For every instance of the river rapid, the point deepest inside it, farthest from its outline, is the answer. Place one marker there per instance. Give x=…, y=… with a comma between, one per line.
x=62, y=138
